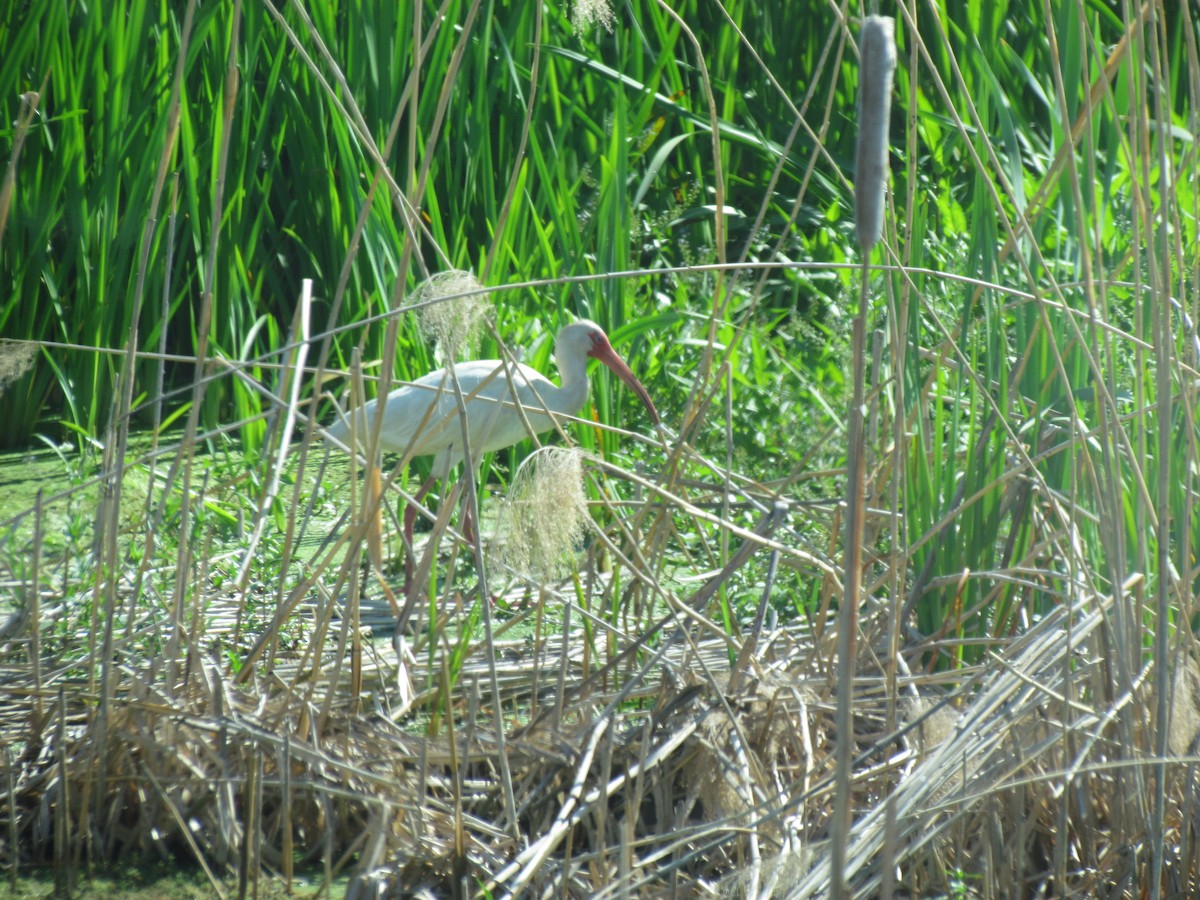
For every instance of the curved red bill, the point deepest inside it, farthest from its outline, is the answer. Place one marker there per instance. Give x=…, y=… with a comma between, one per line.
x=603, y=351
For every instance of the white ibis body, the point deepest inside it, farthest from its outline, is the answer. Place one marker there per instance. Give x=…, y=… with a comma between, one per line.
x=423, y=417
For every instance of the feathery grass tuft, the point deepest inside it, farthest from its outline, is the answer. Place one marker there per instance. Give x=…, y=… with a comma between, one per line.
x=449, y=312
x=586, y=13
x=15, y=360
x=543, y=518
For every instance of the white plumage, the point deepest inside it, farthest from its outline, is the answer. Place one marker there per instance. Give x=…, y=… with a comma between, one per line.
x=424, y=413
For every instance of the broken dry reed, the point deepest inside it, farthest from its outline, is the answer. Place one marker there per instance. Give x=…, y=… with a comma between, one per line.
x=29, y=109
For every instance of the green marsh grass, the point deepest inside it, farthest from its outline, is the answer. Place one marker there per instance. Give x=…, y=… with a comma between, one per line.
x=197, y=641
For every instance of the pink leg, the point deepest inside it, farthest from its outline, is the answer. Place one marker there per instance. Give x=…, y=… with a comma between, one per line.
x=410, y=518
x=468, y=529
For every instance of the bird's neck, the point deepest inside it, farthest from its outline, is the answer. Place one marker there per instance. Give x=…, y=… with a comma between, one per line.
x=573, y=385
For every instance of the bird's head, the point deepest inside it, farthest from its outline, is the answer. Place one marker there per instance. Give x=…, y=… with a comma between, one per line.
x=583, y=339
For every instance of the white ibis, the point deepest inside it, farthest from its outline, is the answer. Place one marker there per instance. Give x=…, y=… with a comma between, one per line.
x=422, y=417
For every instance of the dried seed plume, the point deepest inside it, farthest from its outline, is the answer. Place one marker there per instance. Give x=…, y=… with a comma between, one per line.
x=447, y=316
x=877, y=54
x=16, y=359
x=586, y=13
x=543, y=517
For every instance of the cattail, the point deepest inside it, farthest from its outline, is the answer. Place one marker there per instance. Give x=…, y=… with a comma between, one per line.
x=451, y=322
x=877, y=54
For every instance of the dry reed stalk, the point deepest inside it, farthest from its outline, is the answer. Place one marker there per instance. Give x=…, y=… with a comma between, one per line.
x=29, y=109
x=286, y=847
x=11, y=786
x=64, y=872
x=35, y=606
x=116, y=454
x=292, y=376
x=877, y=62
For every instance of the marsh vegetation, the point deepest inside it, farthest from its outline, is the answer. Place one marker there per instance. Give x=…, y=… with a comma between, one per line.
x=221, y=222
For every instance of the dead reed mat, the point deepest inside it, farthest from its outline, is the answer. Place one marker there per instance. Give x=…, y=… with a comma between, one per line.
x=663, y=769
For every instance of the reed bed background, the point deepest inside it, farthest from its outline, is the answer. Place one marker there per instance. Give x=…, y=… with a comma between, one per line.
x=219, y=221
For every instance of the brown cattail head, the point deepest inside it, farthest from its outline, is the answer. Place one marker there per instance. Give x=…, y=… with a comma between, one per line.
x=877, y=52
